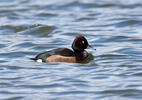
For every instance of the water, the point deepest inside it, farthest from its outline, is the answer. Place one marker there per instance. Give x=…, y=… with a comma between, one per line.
x=29, y=27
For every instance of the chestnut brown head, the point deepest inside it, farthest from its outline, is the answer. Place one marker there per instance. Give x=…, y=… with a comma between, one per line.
x=80, y=43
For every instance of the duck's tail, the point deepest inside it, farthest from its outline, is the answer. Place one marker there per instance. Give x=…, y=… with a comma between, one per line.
x=33, y=59
x=37, y=60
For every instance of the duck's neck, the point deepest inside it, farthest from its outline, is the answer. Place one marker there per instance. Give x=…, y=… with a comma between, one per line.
x=81, y=55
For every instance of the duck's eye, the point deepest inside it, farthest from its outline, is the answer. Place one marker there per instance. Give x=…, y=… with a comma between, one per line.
x=83, y=42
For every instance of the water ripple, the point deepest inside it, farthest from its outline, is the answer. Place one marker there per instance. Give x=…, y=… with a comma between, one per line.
x=29, y=27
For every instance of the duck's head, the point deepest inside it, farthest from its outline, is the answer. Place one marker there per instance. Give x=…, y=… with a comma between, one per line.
x=80, y=43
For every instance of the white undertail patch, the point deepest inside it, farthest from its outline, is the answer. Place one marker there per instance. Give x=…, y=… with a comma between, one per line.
x=39, y=60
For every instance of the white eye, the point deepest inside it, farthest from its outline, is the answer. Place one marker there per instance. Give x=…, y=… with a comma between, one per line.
x=83, y=42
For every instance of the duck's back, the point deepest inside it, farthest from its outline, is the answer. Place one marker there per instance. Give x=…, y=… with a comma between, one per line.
x=55, y=52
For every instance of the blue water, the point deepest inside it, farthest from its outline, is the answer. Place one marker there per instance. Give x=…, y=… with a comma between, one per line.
x=112, y=27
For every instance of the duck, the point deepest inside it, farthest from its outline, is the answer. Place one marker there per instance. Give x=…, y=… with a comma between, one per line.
x=74, y=55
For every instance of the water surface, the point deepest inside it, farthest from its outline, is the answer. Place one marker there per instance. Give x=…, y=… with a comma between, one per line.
x=29, y=27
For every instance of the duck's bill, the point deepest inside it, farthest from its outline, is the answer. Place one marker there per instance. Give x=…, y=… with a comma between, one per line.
x=91, y=47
